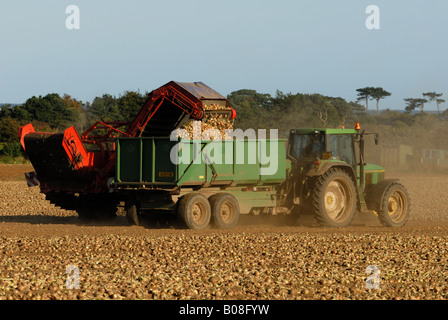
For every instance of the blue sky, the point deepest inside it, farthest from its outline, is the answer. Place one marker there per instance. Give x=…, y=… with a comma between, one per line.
x=308, y=46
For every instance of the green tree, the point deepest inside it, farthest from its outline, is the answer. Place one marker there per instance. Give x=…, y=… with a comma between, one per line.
x=390, y=118
x=251, y=108
x=439, y=101
x=51, y=109
x=17, y=112
x=433, y=96
x=110, y=108
x=282, y=101
x=378, y=94
x=11, y=149
x=104, y=108
x=344, y=111
x=365, y=94
x=356, y=108
x=9, y=129
x=130, y=104
x=74, y=107
x=414, y=103
x=5, y=110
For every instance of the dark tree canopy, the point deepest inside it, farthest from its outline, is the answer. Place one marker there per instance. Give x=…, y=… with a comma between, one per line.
x=434, y=96
x=365, y=94
x=373, y=93
x=378, y=94
x=415, y=103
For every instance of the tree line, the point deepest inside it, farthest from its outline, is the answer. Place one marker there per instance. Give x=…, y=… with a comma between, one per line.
x=282, y=111
x=55, y=113
x=378, y=93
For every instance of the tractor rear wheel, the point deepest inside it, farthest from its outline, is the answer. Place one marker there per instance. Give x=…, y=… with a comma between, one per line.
x=395, y=206
x=225, y=210
x=334, y=199
x=194, y=210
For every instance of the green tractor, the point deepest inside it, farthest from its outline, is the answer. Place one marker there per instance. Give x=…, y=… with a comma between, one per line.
x=329, y=177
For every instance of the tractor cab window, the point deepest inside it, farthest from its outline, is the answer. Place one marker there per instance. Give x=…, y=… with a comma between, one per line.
x=308, y=146
x=341, y=148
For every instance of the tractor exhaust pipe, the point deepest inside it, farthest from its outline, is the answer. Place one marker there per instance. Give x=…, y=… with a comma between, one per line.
x=361, y=156
x=361, y=162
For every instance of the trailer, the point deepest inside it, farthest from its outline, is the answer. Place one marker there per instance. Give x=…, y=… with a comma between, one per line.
x=150, y=171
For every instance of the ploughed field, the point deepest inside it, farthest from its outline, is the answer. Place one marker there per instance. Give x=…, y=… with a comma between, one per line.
x=259, y=259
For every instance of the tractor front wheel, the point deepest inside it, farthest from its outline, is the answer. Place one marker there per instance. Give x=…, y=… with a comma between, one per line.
x=395, y=206
x=334, y=199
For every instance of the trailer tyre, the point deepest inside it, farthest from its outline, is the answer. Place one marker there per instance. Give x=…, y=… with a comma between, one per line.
x=194, y=211
x=395, y=206
x=225, y=210
x=132, y=210
x=334, y=199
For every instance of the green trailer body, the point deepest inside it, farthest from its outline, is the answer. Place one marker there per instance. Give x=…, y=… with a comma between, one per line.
x=152, y=164
x=159, y=163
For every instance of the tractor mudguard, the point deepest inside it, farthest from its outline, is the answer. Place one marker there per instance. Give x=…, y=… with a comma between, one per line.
x=375, y=193
x=325, y=166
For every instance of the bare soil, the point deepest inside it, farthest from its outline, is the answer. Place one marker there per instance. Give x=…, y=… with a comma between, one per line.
x=259, y=259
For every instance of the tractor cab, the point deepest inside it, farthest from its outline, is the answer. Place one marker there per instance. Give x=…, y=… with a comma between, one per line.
x=317, y=150
x=309, y=145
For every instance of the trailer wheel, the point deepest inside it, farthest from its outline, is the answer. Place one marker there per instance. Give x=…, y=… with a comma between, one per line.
x=194, y=210
x=334, y=199
x=225, y=210
x=132, y=209
x=395, y=206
